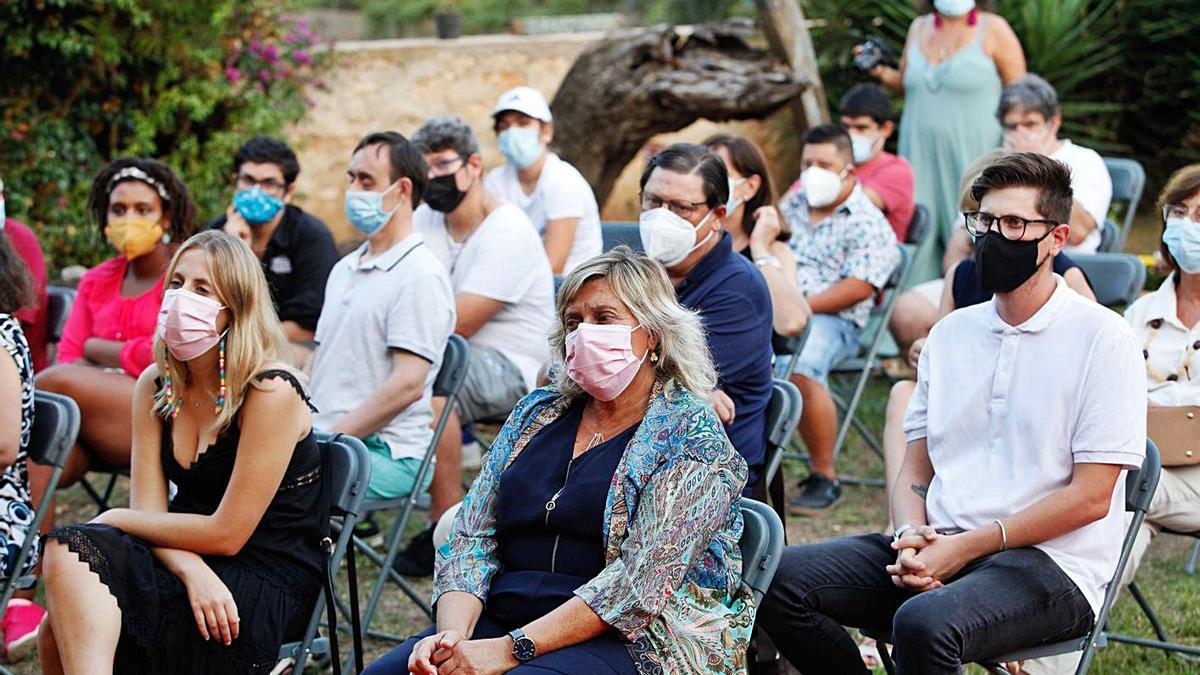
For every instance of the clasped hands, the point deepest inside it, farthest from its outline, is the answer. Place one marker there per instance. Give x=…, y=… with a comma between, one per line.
x=450, y=652
x=927, y=559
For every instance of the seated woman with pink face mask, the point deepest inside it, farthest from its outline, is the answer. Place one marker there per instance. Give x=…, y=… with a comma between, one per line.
x=602, y=534
x=218, y=577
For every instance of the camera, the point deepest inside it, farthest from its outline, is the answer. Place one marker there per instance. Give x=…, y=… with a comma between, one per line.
x=873, y=52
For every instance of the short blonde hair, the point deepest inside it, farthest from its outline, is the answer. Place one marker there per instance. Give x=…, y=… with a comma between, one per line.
x=642, y=284
x=966, y=201
x=255, y=340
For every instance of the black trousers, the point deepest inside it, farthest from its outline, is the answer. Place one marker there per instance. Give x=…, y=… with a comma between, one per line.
x=1010, y=600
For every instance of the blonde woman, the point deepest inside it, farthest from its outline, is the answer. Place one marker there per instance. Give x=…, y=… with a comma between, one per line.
x=214, y=580
x=602, y=535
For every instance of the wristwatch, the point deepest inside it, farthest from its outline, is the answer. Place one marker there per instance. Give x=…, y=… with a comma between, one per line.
x=768, y=261
x=523, y=648
x=899, y=531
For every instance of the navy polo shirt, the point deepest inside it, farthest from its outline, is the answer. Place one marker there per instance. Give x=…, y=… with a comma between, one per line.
x=731, y=296
x=296, y=263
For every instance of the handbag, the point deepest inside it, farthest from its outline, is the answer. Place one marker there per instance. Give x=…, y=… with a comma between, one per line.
x=1176, y=432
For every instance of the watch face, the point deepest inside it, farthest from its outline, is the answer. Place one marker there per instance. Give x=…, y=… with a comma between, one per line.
x=524, y=649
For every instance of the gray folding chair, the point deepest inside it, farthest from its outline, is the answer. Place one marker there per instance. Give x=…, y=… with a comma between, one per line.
x=1128, y=181
x=1116, y=278
x=1139, y=490
x=920, y=227
x=58, y=307
x=347, y=469
x=761, y=545
x=455, y=360
x=1110, y=232
x=618, y=232
x=790, y=347
x=783, y=415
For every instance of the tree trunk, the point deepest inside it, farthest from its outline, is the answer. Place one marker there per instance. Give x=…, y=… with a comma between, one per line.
x=634, y=84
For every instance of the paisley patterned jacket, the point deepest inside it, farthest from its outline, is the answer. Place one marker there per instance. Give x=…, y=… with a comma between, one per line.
x=672, y=584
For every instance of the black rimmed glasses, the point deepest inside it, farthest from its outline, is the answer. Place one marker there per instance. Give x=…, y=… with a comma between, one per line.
x=1010, y=227
x=268, y=185
x=679, y=207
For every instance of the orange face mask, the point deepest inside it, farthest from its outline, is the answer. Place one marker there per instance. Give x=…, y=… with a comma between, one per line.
x=133, y=237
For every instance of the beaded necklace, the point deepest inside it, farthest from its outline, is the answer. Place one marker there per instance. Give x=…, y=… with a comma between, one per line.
x=174, y=404
x=1183, y=372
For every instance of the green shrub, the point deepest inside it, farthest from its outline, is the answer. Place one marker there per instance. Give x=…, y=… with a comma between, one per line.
x=185, y=82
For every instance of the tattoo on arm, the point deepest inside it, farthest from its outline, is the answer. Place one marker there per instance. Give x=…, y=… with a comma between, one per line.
x=921, y=490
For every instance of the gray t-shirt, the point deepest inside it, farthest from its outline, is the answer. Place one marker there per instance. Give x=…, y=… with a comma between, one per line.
x=399, y=300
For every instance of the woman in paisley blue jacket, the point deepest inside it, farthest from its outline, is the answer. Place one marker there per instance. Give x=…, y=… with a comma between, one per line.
x=602, y=534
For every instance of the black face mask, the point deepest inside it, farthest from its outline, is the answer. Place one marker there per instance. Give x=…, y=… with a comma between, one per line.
x=1002, y=264
x=442, y=193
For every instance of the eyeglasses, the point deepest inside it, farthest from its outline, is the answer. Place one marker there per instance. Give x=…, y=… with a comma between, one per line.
x=268, y=185
x=1180, y=211
x=441, y=167
x=1010, y=227
x=682, y=208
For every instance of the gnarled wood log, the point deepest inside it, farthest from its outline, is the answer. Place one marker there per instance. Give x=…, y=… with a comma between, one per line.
x=634, y=84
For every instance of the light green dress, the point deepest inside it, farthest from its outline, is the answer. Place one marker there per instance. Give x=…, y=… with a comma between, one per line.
x=949, y=120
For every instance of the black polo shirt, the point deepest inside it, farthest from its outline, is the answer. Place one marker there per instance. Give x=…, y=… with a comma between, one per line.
x=734, y=304
x=296, y=263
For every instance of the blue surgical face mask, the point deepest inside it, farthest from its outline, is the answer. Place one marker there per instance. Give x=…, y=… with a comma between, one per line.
x=953, y=7
x=733, y=202
x=520, y=146
x=256, y=206
x=364, y=210
x=1182, y=238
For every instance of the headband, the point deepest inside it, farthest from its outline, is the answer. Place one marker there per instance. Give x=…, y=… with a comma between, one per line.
x=134, y=173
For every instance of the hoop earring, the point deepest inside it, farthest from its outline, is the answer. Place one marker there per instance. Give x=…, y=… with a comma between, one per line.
x=221, y=366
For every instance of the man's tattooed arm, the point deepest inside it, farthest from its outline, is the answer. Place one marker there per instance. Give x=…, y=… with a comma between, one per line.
x=921, y=490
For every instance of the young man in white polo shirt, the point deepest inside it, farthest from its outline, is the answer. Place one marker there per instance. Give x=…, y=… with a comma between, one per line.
x=387, y=316
x=503, y=293
x=556, y=197
x=1028, y=410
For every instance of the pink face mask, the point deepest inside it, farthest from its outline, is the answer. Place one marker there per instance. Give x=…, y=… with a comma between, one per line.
x=600, y=359
x=187, y=322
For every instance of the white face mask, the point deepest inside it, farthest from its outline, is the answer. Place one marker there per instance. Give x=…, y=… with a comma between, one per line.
x=953, y=7
x=821, y=186
x=669, y=237
x=863, y=148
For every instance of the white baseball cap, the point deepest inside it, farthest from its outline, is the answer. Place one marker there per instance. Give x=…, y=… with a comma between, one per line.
x=525, y=100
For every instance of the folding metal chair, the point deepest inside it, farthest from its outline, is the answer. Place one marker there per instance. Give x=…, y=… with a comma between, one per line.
x=348, y=470
x=920, y=227
x=1139, y=490
x=790, y=347
x=58, y=307
x=761, y=545
x=1116, y=278
x=783, y=415
x=1164, y=641
x=1128, y=181
x=860, y=367
x=455, y=360
x=618, y=232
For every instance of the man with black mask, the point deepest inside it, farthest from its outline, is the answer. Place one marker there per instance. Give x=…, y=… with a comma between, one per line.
x=1009, y=507
x=504, y=299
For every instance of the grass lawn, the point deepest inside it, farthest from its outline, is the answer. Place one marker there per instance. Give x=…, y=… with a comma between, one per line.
x=1174, y=594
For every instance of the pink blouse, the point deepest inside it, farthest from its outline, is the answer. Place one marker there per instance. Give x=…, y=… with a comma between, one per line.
x=101, y=311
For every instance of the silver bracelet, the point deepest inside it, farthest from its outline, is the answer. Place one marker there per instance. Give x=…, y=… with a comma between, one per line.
x=1003, y=535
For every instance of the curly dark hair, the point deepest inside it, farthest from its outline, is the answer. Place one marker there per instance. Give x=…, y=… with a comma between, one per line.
x=16, y=286
x=178, y=208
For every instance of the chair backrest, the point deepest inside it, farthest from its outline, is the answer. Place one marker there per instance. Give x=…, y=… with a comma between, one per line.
x=456, y=358
x=55, y=428
x=761, y=545
x=1110, y=232
x=58, y=307
x=617, y=232
x=919, y=227
x=1140, y=484
x=783, y=412
x=1128, y=182
x=1116, y=278
x=349, y=468
x=881, y=312
x=790, y=345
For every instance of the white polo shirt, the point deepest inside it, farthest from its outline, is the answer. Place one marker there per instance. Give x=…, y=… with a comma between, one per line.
x=1092, y=188
x=1009, y=410
x=1172, y=350
x=561, y=192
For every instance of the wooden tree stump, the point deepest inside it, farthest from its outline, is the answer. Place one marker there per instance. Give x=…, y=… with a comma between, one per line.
x=637, y=83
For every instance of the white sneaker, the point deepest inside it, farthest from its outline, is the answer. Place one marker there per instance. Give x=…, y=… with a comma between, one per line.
x=472, y=456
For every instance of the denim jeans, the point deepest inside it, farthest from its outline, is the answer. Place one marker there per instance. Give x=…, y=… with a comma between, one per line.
x=999, y=603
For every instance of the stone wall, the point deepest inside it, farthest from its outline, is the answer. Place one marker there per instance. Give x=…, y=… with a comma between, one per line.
x=398, y=84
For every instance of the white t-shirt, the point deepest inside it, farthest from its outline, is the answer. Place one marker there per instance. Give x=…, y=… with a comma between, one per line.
x=1172, y=349
x=561, y=192
x=1009, y=410
x=398, y=300
x=503, y=259
x=1092, y=186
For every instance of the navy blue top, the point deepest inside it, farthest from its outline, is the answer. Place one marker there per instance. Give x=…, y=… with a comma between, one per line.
x=969, y=291
x=546, y=557
x=732, y=298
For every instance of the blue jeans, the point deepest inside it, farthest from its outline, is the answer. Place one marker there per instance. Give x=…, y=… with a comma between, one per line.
x=997, y=604
x=830, y=340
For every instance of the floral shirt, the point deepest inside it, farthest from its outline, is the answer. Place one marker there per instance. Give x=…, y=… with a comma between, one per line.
x=672, y=585
x=16, y=510
x=855, y=241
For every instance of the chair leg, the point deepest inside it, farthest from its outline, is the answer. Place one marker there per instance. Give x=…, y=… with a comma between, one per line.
x=1190, y=567
x=885, y=657
x=1142, y=602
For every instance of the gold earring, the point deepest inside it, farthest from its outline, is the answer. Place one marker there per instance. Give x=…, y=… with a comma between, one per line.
x=653, y=357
